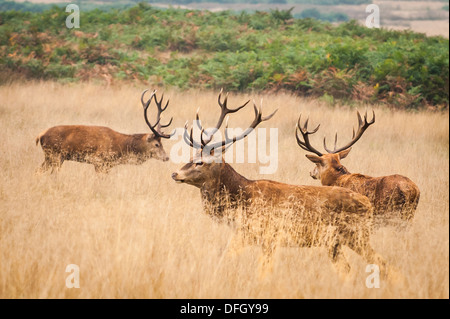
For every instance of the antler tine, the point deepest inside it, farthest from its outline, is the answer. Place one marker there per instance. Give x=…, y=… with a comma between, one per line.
x=360, y=121
x=305, y=144
x=188, y=138
x=146, y=104
x=258, y=115
x=335, y=143
x=226, y=129
x=256, y=121
x=160, y=110
x=362, y=127
x=156, y=128
x=197, y=119
x=263, y=119
x=305, y=126
x=201, y=137
x=224, y=112
x=222, y=105
x=373, y=117
x=159, y=104
x=202, y=130
x=166, y=125
x=186, y=135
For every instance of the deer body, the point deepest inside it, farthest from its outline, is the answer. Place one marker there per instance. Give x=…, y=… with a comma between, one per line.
x=270, y=213
x=393, y=197
x=97, y=145
x=277, y=214
x=390, y=195
x=102, y=146
x=241, y=190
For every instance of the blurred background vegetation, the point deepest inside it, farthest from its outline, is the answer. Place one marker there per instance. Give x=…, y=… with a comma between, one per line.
x=240, y=51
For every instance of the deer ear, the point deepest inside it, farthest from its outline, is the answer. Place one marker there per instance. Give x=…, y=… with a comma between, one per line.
x=344, y=153
x=152, y=137
x=314, y=158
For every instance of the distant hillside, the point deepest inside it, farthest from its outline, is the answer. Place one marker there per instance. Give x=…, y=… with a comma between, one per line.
x=268, y=51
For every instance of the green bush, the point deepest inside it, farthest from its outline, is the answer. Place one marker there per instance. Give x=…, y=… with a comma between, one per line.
x=316, y=14
x=236, y=51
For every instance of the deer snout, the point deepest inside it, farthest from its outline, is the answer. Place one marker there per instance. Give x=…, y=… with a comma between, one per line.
x=176, y=177
x=314, y=173
x=165, y=159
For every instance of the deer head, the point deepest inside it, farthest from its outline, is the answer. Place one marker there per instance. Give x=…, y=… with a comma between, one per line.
x=207, y=163
x=153, y=146
x=328, y=166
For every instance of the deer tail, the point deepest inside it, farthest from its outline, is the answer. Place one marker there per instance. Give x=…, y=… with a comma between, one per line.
x=38, y=138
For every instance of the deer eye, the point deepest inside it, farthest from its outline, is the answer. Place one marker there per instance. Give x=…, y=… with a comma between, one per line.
x=199, y=164
x=156, y=144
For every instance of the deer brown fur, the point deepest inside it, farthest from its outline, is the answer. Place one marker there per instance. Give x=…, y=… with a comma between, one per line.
x=393, y=196
x=102, y=146
x=272, y=213
x=291, y=215
x=97, y=145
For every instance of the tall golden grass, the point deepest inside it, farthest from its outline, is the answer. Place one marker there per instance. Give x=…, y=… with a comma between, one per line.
x=135, y=233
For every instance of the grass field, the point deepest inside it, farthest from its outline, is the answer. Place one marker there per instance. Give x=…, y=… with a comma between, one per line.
x=135, y=233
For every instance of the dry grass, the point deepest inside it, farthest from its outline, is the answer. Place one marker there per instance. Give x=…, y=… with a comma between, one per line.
x=135, y=233
x=429, y=27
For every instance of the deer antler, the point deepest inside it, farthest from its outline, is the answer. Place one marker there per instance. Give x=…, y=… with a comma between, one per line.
x=256, y=121
x=188, y=138
x=305, y=144
x=362, y=127
x=156, y=128
x=224, y=112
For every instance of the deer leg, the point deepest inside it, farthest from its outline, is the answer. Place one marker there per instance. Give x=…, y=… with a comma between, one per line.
x=390, y=273
x=46, y=164
x=102, y=168
x=370, y=256
x=410, y=207
x=337, y=257
x=57, y=161
x=53, y=161
x=359, y=242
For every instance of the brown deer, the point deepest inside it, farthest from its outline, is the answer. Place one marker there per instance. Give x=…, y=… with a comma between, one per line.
x=392, y=196
x=102, y=146
x=270, y=213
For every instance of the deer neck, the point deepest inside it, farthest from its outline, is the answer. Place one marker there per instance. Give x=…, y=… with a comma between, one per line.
x=227, y=182
x=231, y=180
x=333, y=177
x=133, y=147
x=135, y=143
x=225, y=192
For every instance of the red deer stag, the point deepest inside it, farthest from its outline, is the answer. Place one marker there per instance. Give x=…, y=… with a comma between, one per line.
x=102, y=146
x=271, y=213
x=392, y=196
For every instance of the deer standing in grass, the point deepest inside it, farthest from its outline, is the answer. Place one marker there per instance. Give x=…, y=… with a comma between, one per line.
x=392, y=196
x=270, y=213
x=102, y=146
